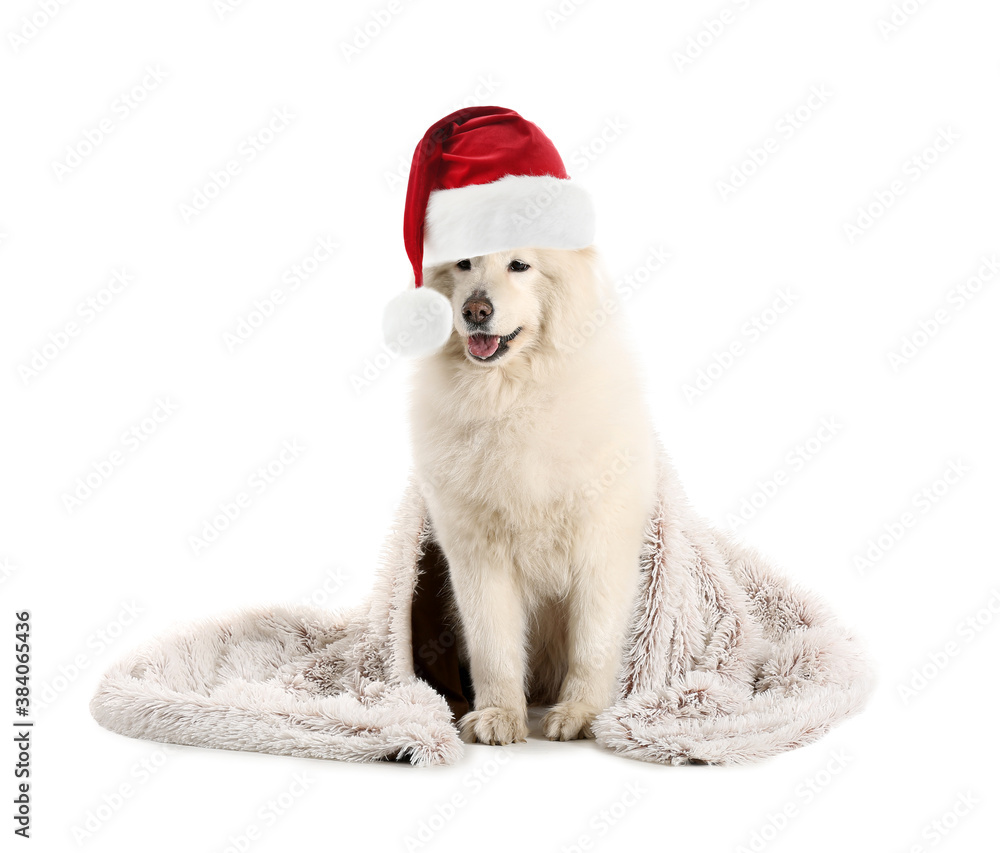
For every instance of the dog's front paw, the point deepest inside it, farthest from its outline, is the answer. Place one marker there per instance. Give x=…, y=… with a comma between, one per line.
x=569, y=721
x=495, y=726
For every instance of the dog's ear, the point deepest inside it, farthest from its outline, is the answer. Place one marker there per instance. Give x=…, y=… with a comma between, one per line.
x=568, y=266
x=441, y=278
x=591, y=260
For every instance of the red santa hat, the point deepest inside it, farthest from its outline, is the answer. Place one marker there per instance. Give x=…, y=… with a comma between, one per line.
x=483, y=179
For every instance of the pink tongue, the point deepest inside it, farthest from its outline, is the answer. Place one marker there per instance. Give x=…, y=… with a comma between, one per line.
x=483, y=346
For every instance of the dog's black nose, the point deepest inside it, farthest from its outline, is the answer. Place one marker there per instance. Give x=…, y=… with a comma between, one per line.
x=477, y=310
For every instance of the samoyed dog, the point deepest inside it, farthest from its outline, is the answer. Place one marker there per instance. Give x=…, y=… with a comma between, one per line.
x=536, y=452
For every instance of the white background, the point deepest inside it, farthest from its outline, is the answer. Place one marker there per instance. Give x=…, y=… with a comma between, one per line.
x=670, y=136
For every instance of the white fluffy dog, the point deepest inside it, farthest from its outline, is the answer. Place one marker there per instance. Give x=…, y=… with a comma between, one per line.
x=537, y=454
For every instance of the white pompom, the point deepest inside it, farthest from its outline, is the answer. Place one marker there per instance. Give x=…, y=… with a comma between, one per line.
x=417, y=322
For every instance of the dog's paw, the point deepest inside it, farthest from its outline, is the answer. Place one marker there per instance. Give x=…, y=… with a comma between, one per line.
x=495, y=726
x=569, y=721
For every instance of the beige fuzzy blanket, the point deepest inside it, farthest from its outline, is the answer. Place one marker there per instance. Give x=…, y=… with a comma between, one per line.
x=725, y=662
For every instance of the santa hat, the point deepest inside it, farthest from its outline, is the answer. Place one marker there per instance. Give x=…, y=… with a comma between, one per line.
x=483, y=179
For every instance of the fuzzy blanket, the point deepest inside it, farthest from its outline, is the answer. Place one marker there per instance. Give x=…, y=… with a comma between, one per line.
x=725, y=662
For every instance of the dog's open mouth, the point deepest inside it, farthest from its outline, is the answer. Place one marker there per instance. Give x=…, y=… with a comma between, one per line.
x=490, y=347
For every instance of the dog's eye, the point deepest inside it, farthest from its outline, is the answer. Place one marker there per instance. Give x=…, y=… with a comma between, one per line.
x=517, y=266
x=464, y=264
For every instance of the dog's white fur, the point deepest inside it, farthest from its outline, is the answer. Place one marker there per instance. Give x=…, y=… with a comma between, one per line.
x=539, y=479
